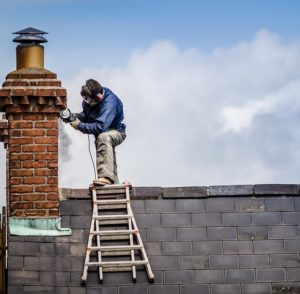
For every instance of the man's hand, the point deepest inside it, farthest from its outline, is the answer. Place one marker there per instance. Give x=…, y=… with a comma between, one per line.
x=74, y=124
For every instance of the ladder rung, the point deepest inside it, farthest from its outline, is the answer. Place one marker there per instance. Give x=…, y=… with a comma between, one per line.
x=112, y=191
x=115, y=248
x=113, y=222
x=115, y=238
x=116, y=263
x=113, y=201
x=116, y=253
x=113, y=216
x=110, y=187
x=114, y=232
x=117, y=269
x=111, y=206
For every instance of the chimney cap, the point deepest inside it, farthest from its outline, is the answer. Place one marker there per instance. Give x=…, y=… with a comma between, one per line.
x=30, y=35
x=31, y=31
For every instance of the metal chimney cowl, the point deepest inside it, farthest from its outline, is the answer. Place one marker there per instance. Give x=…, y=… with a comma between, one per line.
x=30, y=52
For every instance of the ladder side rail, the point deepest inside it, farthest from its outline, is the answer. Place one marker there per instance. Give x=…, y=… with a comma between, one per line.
x=144, y=254
x=88, y=252
x=95, y=213
x=99, y=253
x=130, y=235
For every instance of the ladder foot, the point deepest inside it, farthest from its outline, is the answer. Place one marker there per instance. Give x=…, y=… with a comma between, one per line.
x=151, y=280
x=134, y=280
x=83, y=282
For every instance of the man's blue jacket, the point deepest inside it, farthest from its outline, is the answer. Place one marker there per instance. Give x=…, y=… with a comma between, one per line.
x=106, y=115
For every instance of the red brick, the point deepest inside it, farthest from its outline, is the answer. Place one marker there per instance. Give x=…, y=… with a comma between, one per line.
x=15, y=133
x=45, y=140
x=52, y=148
x=14, y=148
x=33, y=133
x=21, y=140
x=46, y=172
x=52, y=180
x=61, y=92
x=15, y=181
x=52, y=197
x=34, y=148
x=46, y=156
x=46, y=189
x=15, y=164
x=21, y=172
x=34, y=197
x=15, y=83
x=4, y=92
x=3, y=124
x=21, y=189
x=20, y=124
x=53, y=212
x=49, y=109
x=34, y=180
x=42, y=172
x=34, y=212
x=34, y=164
x=15, y=116
x=52, y=165
x=19, y=92
x=46, y=125
x=46, y=204
x=45, y=92
x=21, y=205
x=52, y=116
x=15, y=197
x=33, y=117
x=18, y=213
x=21, y=156
x=52, y=133
x=52, y=171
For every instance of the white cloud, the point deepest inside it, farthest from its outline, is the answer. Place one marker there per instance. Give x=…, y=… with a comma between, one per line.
x=196, y=119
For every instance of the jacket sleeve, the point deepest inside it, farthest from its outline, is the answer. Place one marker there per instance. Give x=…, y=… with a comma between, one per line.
x=80, y=116
x=103, y=121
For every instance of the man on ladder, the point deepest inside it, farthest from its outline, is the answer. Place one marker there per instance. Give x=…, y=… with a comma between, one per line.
x=102, y=116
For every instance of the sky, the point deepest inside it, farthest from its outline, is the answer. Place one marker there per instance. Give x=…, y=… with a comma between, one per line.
x=210, y=88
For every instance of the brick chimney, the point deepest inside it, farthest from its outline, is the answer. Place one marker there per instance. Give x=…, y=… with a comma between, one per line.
x=32, y=98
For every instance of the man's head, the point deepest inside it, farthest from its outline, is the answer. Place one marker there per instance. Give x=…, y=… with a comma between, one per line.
x=92, y=92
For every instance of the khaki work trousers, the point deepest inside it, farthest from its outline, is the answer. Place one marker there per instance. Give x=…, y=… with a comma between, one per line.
x=106, y=155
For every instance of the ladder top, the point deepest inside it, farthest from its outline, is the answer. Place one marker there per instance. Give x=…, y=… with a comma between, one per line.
x=114, y=186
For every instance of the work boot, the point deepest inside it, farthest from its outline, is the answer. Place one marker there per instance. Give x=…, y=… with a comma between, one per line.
x=103, y=181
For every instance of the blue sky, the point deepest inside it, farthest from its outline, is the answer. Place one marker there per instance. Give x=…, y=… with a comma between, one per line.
x=210, y=88
x=111, y=29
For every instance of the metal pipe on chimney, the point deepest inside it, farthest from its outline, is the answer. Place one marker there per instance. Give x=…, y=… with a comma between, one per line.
x=29, y=56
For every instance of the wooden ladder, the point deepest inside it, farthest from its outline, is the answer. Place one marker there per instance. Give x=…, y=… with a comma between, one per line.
x=114, y=240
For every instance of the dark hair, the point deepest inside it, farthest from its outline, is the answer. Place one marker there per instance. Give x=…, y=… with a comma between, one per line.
x=85, y=91
x=92, y=88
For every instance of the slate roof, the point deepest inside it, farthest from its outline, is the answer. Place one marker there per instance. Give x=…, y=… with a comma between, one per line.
x=208, y=240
